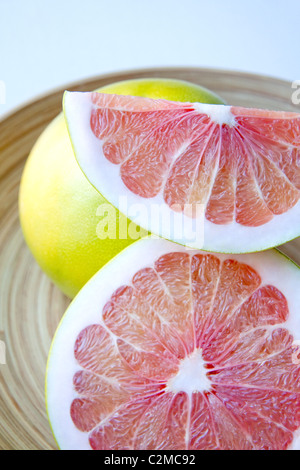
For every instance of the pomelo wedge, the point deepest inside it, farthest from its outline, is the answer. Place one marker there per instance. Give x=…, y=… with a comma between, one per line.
x=169, y=348
x=159, y=161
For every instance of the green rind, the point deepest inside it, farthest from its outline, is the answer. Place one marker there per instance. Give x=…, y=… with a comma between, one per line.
x=163, y=87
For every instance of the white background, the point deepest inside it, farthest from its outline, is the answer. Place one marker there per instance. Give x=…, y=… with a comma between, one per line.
x=47, y=44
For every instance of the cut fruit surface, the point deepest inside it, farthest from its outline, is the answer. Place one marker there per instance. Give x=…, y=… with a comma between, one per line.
x=168, y=348
x=239, y=167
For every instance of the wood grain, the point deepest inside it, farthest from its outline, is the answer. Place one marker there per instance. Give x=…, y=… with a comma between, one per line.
x=30, y=305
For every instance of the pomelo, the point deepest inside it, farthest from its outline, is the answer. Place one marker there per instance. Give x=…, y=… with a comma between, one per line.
x=239, y=167
x=179, y=349
x=60, y=211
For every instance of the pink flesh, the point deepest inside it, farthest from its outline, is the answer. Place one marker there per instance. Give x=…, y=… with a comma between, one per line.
x=248, y=172
x=181, y=304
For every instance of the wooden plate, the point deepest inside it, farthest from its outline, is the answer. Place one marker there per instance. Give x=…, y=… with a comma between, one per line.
x=30, y=305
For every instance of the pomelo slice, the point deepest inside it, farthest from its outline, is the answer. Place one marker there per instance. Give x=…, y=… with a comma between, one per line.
x=169, y=348
x=240, y=167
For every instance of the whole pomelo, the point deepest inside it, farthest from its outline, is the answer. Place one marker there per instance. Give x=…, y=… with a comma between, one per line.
x=60, y=212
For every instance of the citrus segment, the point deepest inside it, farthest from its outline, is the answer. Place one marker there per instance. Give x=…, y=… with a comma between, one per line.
x=229, y=433
x=192, y=176
x=250, y=206
x=227, y=377
x=205, y=273
x=203, y=433
x=266, y=428
x=241, y=165
x=266, y=306
x=118, y=431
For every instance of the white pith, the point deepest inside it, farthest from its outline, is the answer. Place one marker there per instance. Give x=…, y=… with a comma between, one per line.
x=274, y=268
x=105, y=177
x=191, y=376
x=220, y=114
